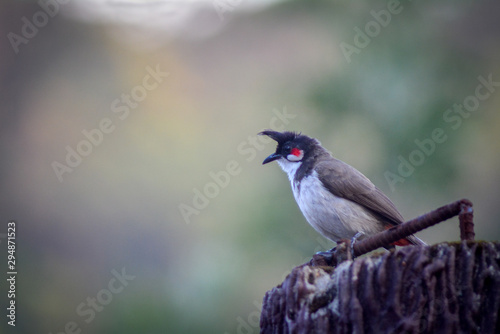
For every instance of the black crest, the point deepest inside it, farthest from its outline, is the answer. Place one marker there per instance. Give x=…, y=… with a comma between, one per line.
x=280, y=137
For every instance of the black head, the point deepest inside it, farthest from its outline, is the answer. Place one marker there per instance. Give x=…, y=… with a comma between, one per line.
x=292, y=146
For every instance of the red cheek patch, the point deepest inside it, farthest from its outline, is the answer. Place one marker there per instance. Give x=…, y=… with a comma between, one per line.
x=295, y=151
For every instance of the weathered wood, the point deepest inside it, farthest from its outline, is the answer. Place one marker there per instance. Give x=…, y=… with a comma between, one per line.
x=445, y=288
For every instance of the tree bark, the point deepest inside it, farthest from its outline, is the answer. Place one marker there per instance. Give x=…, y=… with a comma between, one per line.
x=445, y=288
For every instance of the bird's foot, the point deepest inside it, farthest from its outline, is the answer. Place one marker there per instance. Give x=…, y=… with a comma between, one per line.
x=327, y=253
x=359, y=235
x=325, y=257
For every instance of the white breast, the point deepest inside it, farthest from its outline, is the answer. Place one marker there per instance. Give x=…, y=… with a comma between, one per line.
x=334, y=217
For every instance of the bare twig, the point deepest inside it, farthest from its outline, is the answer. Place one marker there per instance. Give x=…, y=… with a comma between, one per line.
x=466, y=221
x=462, y=208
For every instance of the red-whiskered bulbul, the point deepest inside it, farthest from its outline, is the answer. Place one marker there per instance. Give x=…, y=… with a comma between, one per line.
x=336, y=199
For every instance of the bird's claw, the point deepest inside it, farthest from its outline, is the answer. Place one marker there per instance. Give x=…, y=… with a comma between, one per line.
x=327, y=253
x=357, y=236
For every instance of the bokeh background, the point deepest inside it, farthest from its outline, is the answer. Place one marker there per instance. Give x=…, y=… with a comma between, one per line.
x=234, y=68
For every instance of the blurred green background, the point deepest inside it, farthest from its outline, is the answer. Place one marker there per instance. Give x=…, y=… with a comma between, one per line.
x=182, y=88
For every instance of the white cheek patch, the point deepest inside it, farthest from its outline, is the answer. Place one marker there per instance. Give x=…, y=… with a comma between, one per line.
x=295, y=158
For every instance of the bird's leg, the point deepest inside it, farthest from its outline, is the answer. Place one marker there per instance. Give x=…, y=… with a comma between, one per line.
x=353, y=241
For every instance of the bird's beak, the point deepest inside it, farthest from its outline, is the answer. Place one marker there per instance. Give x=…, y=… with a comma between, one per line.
x=272, y=157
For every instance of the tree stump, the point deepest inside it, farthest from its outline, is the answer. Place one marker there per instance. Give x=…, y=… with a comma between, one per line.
x=445, y=288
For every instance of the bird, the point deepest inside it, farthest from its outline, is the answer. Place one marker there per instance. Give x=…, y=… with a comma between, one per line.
x=336, y=199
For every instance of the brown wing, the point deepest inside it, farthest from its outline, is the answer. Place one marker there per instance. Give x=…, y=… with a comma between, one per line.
x=347, y=182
